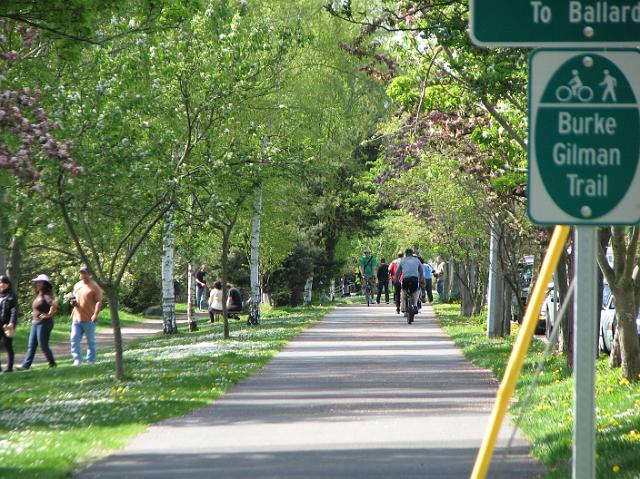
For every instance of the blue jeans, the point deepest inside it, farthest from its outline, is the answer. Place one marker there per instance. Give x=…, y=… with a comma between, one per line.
x=201, y=300
x=39, y=335
x=88, y=328
x=440, y=289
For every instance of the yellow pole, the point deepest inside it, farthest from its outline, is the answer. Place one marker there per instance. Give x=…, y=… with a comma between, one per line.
x=558, y=240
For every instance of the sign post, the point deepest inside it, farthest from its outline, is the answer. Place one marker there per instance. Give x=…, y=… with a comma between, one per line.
x=584, y=354
x=584, y=161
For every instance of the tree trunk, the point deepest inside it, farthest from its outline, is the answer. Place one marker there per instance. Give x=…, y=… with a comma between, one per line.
x=565, y=272
x=506, y=308
x=191, y=320
x=168, y=289
x=14, y=270
x=496, y=294
x=308, y=290
x=254, y=313
x=452, y=281
x=112, y=295
x=225, y=275
x=466, y=298
x=627, y=333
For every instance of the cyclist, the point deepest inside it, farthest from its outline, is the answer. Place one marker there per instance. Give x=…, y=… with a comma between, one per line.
x=575, y=83
x=412, y=277
x=395, y=279
x=368, y=268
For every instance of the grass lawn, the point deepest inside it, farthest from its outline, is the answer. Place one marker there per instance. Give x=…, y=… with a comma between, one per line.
x=547, y=420
x=53, y=420
x=62, y=328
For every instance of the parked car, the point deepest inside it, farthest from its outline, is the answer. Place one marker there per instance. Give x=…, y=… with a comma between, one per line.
x=551, y=306
x=525, y=274
x=608, y=325
x=549, y=310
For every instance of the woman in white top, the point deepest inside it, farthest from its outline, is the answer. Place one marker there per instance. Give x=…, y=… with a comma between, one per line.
x=215, y=302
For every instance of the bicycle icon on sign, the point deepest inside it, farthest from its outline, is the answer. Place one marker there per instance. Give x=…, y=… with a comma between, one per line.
x=575, y=89
x=565, y=93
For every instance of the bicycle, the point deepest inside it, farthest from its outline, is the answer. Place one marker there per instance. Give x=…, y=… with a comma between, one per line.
x=367, y=289
x=410, y=309
x=565, y=93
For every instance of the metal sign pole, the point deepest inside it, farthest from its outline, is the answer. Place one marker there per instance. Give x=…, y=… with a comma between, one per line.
x=584, y=334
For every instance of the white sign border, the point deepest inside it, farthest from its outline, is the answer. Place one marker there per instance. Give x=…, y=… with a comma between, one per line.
x=586, y=43
x=543, y=63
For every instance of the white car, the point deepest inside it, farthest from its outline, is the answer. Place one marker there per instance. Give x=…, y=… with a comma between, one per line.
x=608, y=325
x=551, y=307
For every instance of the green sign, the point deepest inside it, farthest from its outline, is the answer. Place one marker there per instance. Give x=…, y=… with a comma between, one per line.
x=555, y=23
x=584, y=144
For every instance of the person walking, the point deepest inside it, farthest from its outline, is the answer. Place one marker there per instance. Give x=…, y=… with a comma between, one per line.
x=383, y=280
x=440, y=273
x=395, y=280
x=428, y=285
x=8, y=319
x=87, y=303
x=44, y=309
x=201, y=288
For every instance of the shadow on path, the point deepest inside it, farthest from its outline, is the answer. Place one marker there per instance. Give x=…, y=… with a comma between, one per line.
x=361, y=394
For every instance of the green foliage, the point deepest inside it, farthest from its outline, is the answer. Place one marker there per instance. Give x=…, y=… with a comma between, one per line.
x=403, y=90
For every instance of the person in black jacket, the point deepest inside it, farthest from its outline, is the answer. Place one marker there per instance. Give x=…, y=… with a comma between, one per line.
x=383, y=281
x=8, y=318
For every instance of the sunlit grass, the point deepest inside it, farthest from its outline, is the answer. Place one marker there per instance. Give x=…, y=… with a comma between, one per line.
x=548, y=417
x=55, y=419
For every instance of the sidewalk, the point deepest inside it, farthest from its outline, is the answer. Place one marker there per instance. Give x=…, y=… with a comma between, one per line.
x=360, y=395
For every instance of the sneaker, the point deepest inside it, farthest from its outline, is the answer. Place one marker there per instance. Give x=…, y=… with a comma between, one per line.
x=77, y=362
x=53, y=365
x=397, y=311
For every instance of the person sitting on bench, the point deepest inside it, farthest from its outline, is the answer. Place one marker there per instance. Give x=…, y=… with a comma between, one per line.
x=215, y=302
x=234, y=302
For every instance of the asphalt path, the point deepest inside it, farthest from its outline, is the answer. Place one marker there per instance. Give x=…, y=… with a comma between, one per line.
x=362, y=394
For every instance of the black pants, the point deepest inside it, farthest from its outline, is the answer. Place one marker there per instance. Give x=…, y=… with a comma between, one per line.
x=396, y=295
x=428, y=288
x=8, y=346
x=383, y=285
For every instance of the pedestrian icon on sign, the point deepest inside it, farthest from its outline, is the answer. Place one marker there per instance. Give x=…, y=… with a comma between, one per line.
x=609, y=83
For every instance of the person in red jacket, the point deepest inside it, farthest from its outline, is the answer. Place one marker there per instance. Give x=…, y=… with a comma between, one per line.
x=393, y=268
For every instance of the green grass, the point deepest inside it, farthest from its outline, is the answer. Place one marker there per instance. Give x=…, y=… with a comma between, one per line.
x=547, y=421
x=62, y=328
x=53, y=420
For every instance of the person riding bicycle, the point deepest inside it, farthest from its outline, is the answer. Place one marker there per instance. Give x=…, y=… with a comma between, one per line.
x=412, y=273
x=575, y=83
x=368, y=268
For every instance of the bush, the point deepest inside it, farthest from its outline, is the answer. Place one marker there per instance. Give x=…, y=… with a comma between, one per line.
x=142, y=291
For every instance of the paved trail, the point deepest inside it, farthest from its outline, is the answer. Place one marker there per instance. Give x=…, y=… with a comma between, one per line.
x=360, y=395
